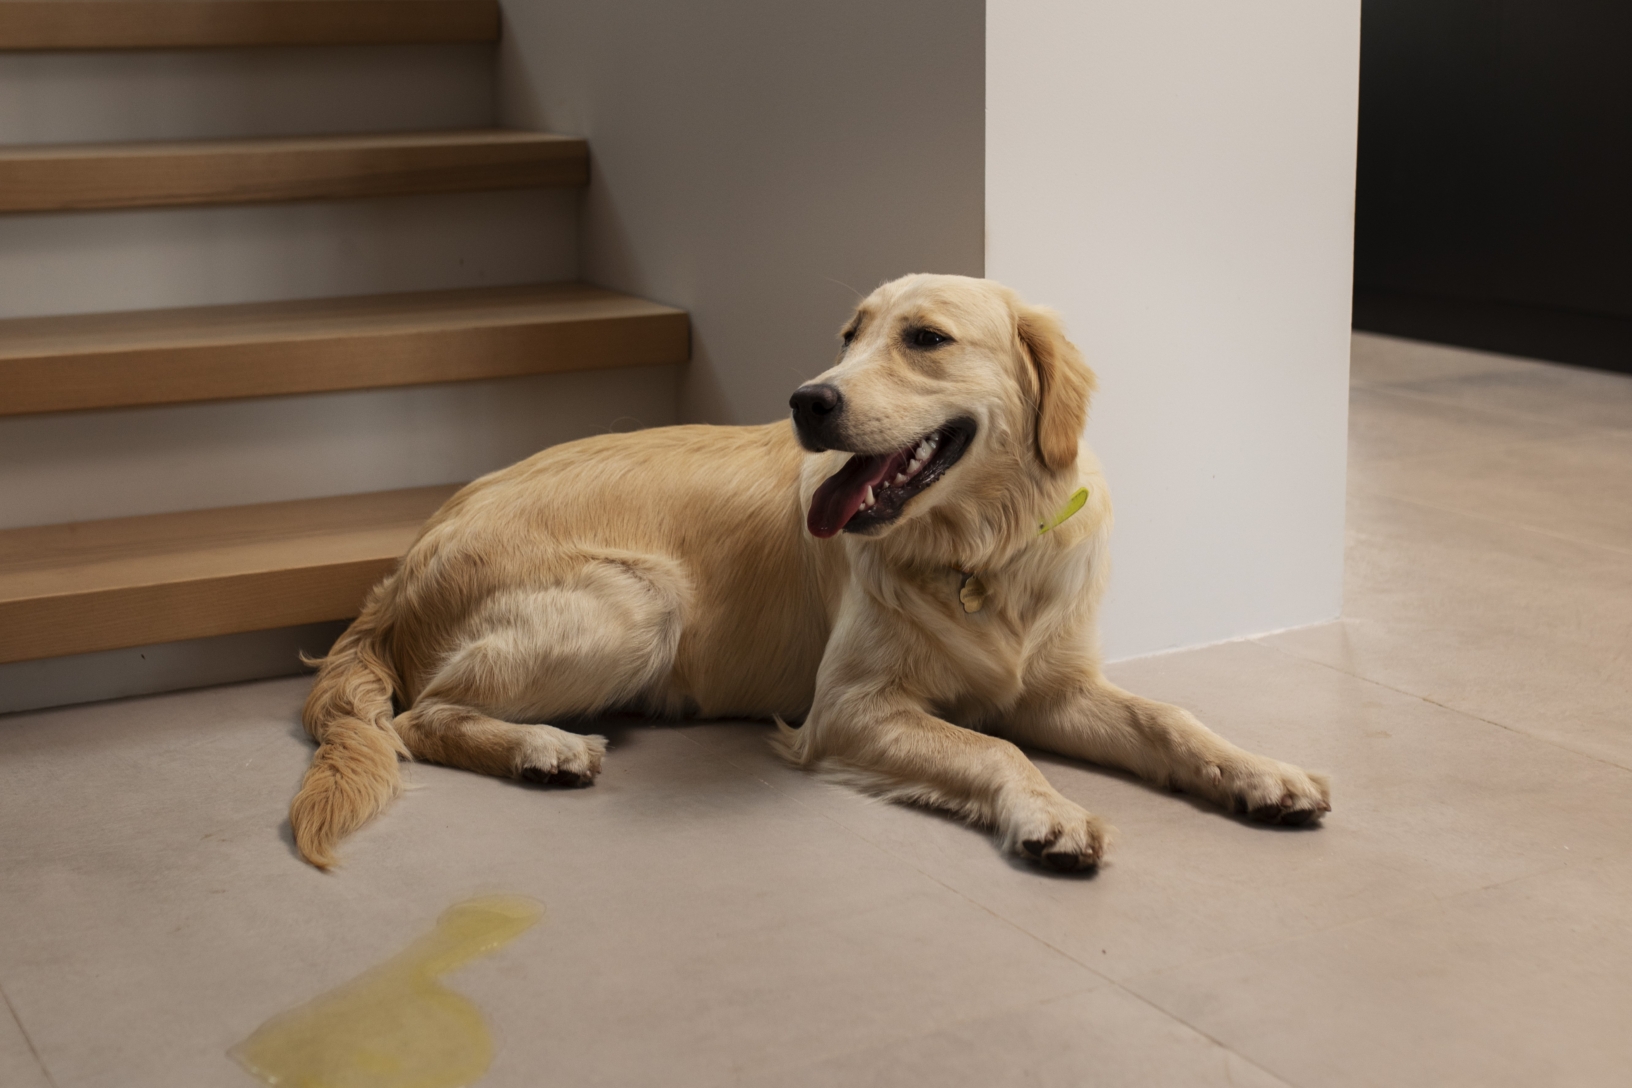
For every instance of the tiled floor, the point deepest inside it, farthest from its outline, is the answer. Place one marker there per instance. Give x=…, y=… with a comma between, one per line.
x=715, y=918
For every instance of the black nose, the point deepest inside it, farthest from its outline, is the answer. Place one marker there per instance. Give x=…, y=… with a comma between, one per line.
x=815, y=401
x=815, y=407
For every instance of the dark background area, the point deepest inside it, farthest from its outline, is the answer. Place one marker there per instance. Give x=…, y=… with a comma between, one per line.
x=1494, y=203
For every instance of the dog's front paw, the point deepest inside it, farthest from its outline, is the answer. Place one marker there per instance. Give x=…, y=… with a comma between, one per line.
x=555, y=757
x=1270, y=791
x=1055, y=832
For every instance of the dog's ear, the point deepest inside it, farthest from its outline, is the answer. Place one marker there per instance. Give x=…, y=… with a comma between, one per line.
x=1064, y=384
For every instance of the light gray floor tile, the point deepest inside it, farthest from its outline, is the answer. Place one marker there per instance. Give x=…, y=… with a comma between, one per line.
x=1511, y=625
x=1389, y=360
x=1472, y=379
x=1578, y=487
x=1386, y=425
x=1523, y=984
x=1103, y=1039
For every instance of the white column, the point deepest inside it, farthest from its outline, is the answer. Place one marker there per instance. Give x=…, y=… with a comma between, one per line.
x=1177, y=178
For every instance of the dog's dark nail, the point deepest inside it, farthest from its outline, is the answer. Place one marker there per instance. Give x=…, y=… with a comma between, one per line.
x=1033, y=847
x=1063, y=862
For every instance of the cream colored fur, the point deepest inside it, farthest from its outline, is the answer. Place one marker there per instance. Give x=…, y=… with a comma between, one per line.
x=669, y=572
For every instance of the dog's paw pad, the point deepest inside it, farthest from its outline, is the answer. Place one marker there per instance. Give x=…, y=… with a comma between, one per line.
x=545, y=776
x=1066, y=862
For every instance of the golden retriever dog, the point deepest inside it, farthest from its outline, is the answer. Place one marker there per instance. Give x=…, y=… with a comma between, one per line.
x=910, y=571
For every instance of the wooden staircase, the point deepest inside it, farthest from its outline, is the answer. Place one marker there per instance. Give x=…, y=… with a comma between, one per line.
x=100, y=585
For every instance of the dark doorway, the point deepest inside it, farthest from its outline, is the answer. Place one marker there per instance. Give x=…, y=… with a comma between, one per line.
x=1494, y=204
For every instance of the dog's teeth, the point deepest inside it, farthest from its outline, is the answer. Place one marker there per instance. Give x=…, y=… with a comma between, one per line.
x=869, y=500
x=900, y=478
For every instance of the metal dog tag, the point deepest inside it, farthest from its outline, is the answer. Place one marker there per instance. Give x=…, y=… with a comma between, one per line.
x=972, y=593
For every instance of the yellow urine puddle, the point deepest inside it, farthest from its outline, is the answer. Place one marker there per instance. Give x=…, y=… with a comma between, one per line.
x=395, y=1026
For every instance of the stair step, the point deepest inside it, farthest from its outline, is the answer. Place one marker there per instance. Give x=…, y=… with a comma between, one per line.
x=189, y=24
x=69, y=177
x=101, y=585
x=145, y=357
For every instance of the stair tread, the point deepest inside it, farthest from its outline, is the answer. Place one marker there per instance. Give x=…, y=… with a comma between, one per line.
x=186, y=24
x=151, y=549
x=160, y=173
x=261, y=145
x=95, y=585
x=296, y=319
x=148, y=357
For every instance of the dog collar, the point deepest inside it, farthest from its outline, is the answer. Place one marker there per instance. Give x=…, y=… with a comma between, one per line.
x=972, y=591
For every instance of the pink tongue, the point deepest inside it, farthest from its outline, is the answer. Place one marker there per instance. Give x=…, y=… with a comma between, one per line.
x=841, y=494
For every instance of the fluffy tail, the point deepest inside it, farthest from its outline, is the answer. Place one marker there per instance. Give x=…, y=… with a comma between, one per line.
x=354, y=774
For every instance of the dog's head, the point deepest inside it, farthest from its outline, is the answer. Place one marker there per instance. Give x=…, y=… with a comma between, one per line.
x=941, y=378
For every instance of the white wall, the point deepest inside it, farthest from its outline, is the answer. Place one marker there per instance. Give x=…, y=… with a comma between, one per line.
x=760, y=165
x=1177, y=177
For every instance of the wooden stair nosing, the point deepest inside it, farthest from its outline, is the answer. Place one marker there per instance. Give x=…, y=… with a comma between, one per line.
x=192, y=24
x=89, y=586
x=74, y=363
x=153, y=174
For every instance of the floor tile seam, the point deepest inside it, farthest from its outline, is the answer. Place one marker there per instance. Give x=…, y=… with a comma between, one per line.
x=28, y=1041
x=914, y=1036
x=1449, y=401
x=1502, y=445
x=1424, y=504
x=1550, y=742
x=1205, y=1034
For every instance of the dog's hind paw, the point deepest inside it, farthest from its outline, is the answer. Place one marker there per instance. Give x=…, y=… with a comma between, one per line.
x=555, y=757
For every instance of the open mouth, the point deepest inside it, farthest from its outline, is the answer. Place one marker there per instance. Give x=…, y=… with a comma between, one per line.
x=872, y=489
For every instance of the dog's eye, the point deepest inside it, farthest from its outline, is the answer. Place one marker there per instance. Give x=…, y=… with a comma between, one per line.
x=848, y=335
x=926, y=338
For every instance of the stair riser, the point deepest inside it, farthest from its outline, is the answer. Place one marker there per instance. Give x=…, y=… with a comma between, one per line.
x=147, y=259
x=77, y=97
x=167, y=666
x=141, y=178
x=87, y=465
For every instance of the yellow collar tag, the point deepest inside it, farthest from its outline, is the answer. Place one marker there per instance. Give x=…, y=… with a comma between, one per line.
x=1078, y=499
